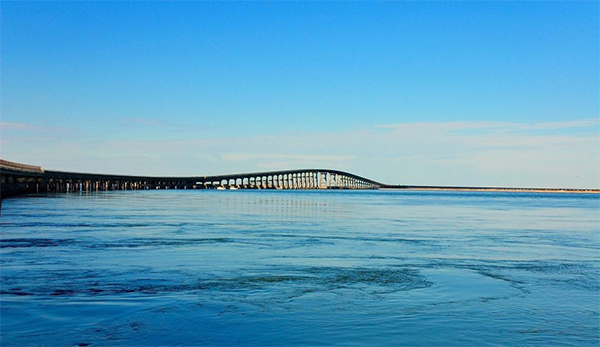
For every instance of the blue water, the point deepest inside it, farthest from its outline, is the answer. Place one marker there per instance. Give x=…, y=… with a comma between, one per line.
x=274, y=268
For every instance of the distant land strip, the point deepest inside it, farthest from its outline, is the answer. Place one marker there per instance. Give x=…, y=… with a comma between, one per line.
x=493, y=189
x=18, y=179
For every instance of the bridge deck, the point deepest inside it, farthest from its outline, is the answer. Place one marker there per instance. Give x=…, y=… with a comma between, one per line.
x=20, y=178
x=16, y=178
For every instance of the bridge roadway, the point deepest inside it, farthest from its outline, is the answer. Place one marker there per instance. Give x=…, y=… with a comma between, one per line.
x=16, y=179
x=22, y=179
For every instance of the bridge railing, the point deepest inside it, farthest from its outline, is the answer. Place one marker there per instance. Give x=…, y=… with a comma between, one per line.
x=30, y=177
x=20, y=167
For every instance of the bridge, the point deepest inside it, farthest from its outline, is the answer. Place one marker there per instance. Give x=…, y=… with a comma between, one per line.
x=16, y=178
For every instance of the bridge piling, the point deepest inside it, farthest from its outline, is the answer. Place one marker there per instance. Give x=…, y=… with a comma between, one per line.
x=18, y=178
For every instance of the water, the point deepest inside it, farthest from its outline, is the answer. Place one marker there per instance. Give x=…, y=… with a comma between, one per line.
x=271, y=268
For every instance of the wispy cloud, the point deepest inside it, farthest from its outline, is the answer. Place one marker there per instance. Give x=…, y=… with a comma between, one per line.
x=280, y=156
x=4, y=126
x=495, y=153
x=490, y=126
x=145, y=121
x=558, y=125
x=8, y=128
x=162, y=124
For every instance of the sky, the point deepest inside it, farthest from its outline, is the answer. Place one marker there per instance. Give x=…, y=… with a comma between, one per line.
x=426, y=93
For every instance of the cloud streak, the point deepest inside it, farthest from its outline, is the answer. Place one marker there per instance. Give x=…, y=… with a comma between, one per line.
x=279, y=156
x=491, y=126
x=7, y=126
x=550, y=154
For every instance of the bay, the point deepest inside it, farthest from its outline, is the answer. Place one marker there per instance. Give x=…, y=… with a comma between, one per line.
x=274, y=268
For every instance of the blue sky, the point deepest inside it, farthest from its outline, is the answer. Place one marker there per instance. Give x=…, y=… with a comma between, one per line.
x=468, y=93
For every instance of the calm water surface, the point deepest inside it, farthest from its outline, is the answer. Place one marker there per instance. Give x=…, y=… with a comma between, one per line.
x=222, y=268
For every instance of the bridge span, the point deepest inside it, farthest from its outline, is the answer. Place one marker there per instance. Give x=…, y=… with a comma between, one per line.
x=19, y=178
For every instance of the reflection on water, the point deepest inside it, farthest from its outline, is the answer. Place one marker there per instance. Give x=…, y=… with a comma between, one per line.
x=300, y=268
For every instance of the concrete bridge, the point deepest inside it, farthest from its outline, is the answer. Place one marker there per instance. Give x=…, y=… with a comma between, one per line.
x=19, y=178
x=16, y=179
